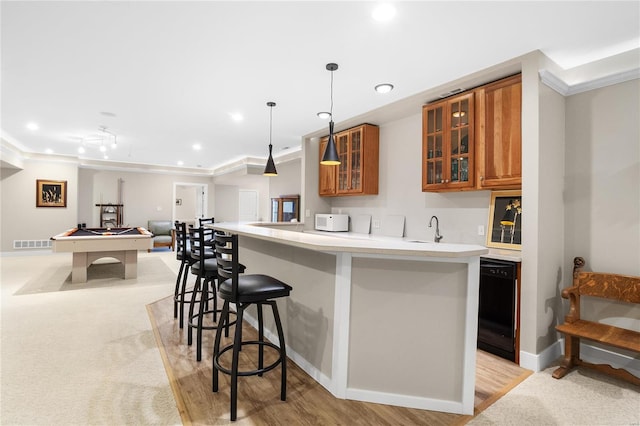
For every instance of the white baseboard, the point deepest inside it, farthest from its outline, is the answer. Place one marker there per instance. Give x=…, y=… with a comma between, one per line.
x=538, y=362
x=592, y=354
x=300, y=361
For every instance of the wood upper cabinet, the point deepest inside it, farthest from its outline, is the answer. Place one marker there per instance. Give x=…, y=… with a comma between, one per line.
x=327, y=174
x=499, y=136
x=448, y=144
x=357, y=174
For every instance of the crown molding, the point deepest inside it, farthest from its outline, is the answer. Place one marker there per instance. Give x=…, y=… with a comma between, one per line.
x=13, y=156
x=560, y=86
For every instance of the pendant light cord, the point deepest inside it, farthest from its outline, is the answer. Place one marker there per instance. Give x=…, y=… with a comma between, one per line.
x=331, y=105
x=270, y=126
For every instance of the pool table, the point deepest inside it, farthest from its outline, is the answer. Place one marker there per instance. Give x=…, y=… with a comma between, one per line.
x=91, y=244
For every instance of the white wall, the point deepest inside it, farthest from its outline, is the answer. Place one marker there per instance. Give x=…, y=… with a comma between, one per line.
x=400, y=191
x=186, y=212
x=602, y=194
x=288, y=181
x=603, y=178
x=146, y=196
x=21, y=219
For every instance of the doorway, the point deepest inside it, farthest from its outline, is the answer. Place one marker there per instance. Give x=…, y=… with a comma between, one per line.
x=190, y=201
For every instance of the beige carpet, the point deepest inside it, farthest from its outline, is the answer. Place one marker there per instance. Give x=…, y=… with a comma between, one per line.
x=83, y=357
x=583, y=397
x=103, y=273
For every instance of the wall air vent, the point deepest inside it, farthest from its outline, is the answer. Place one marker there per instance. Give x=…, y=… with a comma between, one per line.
x=31, y=244
x=452, y=92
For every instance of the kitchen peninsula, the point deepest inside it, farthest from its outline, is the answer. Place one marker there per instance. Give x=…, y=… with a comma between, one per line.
x=391, y=321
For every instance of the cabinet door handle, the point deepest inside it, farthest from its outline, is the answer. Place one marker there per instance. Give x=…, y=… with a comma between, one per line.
x=481, y=177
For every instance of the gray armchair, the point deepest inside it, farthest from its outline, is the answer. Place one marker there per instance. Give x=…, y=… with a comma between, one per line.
x=163, y=233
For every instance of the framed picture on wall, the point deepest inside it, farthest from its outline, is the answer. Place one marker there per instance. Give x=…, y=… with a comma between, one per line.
x=505, y=220
x=51, y=193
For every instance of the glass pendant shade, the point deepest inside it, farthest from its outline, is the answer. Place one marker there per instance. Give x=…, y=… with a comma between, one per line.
x=270, y=168
x=330, y=156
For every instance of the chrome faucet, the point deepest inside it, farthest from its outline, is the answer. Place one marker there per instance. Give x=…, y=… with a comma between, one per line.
x=437, y=237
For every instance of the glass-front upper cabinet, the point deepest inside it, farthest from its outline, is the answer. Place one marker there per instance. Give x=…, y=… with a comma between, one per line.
x=342, y=145
x=357, y=174
x=447, y=144
x=285, y=208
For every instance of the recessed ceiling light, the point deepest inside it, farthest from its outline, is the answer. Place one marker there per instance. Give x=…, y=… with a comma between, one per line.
x=324, y=115
x=81, y=150
x=103, y=148
x=32, y=126
x=196, y=147
x=384, y=88
x=48, y=151
x=106, y=157
x=180, y=163
x=108, y=114
x=384, y=12
x=235, y=116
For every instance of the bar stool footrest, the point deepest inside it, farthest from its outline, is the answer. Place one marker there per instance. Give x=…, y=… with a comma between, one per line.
x=256, y=372
x=193, y=318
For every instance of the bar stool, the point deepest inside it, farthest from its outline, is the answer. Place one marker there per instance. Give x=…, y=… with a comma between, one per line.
x=183, y=254
x=206, y=270
x=244, y=291
x=208, y=231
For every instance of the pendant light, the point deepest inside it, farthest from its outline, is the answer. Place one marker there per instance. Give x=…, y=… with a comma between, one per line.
x=330, y=157
x=270, y=168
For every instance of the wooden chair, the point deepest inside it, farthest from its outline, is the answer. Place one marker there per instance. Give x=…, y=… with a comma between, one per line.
x=244, y=291
x=614, y=287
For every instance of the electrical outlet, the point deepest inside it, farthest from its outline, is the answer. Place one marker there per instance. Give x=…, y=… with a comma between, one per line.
x=375, y=224
x=307, y=213
x=480, y=229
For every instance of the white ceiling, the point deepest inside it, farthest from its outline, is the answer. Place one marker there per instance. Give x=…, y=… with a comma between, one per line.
x=165, y=75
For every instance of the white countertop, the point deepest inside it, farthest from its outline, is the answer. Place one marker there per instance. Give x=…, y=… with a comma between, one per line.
x=352, y=242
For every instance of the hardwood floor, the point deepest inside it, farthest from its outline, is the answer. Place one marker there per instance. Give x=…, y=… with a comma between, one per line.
x=308, y=403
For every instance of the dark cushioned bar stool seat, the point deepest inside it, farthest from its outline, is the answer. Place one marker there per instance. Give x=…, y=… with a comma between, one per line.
x=244, y=291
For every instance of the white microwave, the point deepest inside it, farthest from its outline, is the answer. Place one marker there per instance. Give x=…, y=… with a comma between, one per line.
x=332, y=222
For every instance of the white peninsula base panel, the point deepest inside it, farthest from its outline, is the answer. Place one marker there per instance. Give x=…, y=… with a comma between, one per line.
x=396, y=329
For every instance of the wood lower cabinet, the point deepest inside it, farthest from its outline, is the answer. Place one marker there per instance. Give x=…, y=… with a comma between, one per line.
x=499, y=136
x=448, y=144
x=357, y=174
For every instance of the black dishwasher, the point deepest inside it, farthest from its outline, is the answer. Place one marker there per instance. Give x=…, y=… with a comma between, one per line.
x=497, y=308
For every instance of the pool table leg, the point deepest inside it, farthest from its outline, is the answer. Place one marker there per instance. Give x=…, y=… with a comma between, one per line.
x=130, y=264
x=79, y=267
